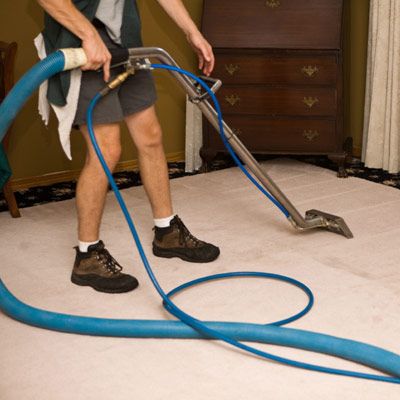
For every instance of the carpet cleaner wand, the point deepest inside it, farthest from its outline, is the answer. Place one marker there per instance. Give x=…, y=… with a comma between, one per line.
x=138, y=58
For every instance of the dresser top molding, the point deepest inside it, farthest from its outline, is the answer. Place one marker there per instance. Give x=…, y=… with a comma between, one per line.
x=288, y=24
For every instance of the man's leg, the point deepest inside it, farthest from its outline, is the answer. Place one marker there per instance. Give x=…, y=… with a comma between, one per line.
x=147, y=135
x=94, y=266
x=92, y=184
x=174, y=240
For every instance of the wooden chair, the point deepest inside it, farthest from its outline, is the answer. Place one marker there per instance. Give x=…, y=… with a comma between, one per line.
x=7, y=62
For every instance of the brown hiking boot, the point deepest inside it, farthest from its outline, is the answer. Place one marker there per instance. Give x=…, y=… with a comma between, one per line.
x=98, y=269
x=177, y=241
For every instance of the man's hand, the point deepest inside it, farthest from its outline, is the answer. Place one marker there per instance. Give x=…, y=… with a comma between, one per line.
x=203, y=50
x=65, y=12
x=177, y=11
x=97, y=54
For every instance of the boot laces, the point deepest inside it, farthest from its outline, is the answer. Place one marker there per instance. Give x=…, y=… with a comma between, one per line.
x=184, y=234
x=108, y=261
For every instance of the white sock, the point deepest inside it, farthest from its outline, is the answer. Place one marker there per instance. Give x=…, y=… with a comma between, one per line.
x=163, y=222
x=83, y=246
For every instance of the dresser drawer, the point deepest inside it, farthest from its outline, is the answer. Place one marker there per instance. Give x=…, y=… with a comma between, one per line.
x=275, y=70
x=288, y=24
x=279, y=135
x=256, y=100
x=281, y=65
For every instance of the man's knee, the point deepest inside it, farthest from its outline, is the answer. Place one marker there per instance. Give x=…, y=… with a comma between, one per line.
x=111, y=153
x=151, y=138
x=108, y=140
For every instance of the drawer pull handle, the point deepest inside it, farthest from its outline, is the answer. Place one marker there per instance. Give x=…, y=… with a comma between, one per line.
x=232, y=68
x=232, y=99
x=311, y=135
x=272, y=3
x=310, y=71
x=310, y=101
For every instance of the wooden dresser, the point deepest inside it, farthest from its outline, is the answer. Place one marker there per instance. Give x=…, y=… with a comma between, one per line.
x=280, y=62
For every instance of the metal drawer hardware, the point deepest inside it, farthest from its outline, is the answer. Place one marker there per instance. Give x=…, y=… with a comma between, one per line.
x=310, y=71
x=232, y=99
x=272, y=3
x=310, y=101
x=311, y=135
x=232, y=68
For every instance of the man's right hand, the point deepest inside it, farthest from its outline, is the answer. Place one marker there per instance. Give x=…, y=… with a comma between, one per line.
x=97, y=54
x=65, y=12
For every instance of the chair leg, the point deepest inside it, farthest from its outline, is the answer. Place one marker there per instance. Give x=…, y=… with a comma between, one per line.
x=10, y=200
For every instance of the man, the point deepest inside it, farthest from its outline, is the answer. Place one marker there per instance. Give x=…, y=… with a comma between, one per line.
x=96, y=26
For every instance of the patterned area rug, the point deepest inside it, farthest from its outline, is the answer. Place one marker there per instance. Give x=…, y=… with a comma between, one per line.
x=356, y=168
x=66, y=190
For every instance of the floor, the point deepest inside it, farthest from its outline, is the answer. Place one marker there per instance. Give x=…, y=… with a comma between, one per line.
x=356, y=283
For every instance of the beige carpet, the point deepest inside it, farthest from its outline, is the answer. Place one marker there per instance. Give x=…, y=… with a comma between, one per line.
x=356, y=283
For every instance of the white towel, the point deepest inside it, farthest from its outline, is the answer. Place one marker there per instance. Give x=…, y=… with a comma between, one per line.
x=65, y=114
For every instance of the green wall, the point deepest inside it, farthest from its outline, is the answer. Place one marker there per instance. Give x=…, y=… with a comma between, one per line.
x=35, y=150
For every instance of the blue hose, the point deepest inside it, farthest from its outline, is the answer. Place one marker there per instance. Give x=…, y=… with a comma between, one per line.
x=362, y=353
x=26, y=86
x=232, y=333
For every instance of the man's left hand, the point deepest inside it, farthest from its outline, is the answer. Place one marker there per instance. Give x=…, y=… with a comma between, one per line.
x=204, y=52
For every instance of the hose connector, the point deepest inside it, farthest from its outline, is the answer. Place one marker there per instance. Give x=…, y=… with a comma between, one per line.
x=119, y=80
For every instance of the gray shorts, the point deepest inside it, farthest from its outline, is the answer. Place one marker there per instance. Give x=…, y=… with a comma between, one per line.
x=136, y=94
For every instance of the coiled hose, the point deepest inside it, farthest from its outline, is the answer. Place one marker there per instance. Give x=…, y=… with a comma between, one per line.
x=191, y=328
